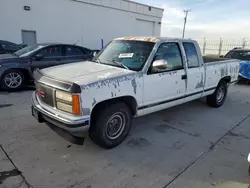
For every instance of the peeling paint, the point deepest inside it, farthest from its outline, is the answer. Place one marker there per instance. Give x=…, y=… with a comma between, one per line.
x=94, y=102
x=106, y=75
x=169, y=73
x=134, y=85
x=200, y=83
x=110, y=81
x=224, y=71
x=148, y=39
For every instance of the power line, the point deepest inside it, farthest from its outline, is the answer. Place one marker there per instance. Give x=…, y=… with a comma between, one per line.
x=185, y=21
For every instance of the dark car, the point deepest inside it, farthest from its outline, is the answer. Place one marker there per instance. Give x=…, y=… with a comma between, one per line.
x=16, y=69
x=7, y=47
x=239, y=53
x=244, y=55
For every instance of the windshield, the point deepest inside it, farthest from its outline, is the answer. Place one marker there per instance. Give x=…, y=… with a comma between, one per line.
x=126, y=54
x=27, y=50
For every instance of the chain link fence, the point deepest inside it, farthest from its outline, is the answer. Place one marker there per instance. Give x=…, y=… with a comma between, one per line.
x=221, y=46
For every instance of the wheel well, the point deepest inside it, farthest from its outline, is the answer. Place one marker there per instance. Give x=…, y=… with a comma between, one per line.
x=128, y=100
x=227, y=79
x=26, y=74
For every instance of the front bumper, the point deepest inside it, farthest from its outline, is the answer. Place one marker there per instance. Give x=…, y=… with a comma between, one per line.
x=73, y=126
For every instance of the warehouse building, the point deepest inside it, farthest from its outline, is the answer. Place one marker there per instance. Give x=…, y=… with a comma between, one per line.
x=82, y=22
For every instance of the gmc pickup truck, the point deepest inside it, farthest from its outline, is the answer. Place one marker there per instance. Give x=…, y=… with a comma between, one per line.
x=130, y=77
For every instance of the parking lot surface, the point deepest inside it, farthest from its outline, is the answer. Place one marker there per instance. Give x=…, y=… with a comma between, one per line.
x=190, y=146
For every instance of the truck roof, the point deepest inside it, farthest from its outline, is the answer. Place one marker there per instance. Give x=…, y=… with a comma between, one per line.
x=154, y=39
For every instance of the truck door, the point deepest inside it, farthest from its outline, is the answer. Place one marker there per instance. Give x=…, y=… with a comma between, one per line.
x=195, y=72
x=165, y=86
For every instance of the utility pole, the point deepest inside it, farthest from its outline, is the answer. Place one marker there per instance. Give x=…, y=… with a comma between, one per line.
x=185, y=21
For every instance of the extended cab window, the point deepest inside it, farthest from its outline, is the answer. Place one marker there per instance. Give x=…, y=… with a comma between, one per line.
x=191, y=53
x=170, y=53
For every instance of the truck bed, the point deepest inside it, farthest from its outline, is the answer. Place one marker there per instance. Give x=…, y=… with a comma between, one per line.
x=210, y=59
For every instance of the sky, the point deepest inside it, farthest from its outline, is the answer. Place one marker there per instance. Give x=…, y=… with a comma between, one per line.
x=208, y=18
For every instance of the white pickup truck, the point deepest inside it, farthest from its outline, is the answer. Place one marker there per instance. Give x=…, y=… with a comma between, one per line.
x=130, y=77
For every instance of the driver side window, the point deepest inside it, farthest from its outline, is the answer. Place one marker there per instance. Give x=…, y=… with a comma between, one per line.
x=168, y=53
x=53, y=51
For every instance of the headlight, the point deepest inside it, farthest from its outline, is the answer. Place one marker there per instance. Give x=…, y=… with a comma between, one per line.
x=68, y=102
x=64, y=96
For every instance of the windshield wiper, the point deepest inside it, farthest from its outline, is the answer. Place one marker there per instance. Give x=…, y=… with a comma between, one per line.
x=120, y=64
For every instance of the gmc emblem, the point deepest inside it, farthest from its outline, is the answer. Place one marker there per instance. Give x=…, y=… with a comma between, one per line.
x=41, y=93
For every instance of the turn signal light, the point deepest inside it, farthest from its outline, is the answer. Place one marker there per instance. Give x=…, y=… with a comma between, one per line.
x=76, y=108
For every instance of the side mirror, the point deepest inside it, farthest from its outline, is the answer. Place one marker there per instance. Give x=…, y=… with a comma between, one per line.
x=94, y=54
x=221, y=56
x=38, y=57
x=159, y=65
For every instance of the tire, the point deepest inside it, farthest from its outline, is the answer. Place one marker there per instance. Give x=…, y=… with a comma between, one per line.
x=15, y=84
x=111, y=125
x=218, y=98
x=249, y=170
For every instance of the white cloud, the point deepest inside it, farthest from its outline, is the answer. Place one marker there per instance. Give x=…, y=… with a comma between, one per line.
x=208, y=18
x=173, y=18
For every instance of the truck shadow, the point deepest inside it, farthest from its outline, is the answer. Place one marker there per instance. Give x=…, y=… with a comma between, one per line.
x=26, y=88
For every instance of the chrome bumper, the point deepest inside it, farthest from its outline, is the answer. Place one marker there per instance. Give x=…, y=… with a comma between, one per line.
x=73, y=126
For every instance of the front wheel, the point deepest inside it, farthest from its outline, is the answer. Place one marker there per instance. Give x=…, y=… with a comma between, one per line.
x=12, y=80
x=218, y=98
x=111, y=126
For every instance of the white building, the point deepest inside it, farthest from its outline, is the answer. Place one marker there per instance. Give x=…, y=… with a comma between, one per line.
x=82, y=22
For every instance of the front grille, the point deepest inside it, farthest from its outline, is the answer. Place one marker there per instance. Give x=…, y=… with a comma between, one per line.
x=45, y=94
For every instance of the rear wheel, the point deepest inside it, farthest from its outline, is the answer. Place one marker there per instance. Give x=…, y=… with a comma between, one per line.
x=12, y=80
x=249, y=170
x=111, y=126
x=218, y=98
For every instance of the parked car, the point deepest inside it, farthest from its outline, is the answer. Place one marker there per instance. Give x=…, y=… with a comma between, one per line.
x=130, y=77
x=244, y=55
x=7, y=47
x=16, y=69
x=22, y=45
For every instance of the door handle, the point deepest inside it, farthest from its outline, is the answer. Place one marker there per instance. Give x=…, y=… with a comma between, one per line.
x=184, y=77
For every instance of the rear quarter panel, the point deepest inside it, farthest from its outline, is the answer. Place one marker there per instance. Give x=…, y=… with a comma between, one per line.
x=215, y=71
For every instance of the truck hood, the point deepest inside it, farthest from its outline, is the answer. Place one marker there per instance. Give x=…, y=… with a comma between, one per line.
x=85, y=72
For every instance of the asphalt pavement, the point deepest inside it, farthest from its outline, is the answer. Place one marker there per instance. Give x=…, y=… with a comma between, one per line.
x=187, y=146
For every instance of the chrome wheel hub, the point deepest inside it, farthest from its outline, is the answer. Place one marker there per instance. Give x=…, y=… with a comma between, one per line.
x=13, y=80
x=115, y=125
x=220, y=94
